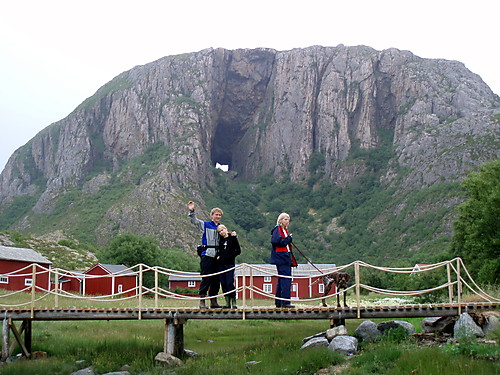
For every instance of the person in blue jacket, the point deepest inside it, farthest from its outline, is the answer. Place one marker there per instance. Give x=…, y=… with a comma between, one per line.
x=208, y=262
x=281, y=256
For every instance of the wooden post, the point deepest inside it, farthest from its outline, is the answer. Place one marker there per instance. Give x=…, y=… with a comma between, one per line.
x=244, y=289
x=27, y=335
x=33, y=289
x=356, y=273
x=56, y=288
x=156, y=286
x=450, y=287
x=140, y=292
x=459, y=288
x=174, y=337
x=5, y=338
x=251, y=286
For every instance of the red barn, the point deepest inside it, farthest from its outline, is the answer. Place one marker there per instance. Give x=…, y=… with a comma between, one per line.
x=71, y=281
x=110, y=279
x=264, y=278
x=16, y=268
x=185, y=281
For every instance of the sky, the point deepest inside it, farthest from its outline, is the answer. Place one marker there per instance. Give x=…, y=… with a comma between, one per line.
x=56, y=53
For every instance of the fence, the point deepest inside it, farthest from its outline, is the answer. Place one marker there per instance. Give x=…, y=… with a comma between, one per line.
x=457, y=278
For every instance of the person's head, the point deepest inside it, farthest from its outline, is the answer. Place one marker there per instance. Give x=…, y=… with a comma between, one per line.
x=222, y=230
x=283, y=219
x=216, y=214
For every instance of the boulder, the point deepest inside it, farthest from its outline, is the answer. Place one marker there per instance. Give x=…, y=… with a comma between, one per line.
x=85, y=371
x=321, y=334
x=443, y=324
x=393, y=324
x=168, y=360
x=465, y=327
x=315, y=342
x=336, y=331
x=367, y=331
x=491, y=325
x=347, y=345
x=190, y=353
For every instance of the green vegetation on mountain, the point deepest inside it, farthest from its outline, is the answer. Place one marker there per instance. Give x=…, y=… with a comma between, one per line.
x=477, y=229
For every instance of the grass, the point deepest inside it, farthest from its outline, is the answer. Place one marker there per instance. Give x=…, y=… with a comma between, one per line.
x=223, y=347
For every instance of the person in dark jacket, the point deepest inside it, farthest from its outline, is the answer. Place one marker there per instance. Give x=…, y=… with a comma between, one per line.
x=208, y=262
x=229, y=249
x=281, y=256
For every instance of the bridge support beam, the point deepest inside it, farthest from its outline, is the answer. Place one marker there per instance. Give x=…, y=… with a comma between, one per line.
x=174, y=337
x=24, y=345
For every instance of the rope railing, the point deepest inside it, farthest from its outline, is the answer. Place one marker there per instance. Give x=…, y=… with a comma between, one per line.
x=49, y=282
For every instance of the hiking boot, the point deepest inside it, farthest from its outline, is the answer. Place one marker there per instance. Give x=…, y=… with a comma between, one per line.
x=214, y=304
x=233, y=303
x=203, y=305
x=228, y=302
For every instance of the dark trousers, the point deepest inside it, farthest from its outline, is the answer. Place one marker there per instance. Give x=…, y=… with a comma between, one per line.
x=227, y=279
x=283, y=285
x=209, y=284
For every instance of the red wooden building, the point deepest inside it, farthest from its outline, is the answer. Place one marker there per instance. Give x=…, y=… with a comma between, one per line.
x=72, y=281
x=264, y=278
x=109, y=279
x=16, y=268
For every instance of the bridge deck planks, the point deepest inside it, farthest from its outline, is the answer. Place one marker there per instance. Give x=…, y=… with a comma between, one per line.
x=257, y=312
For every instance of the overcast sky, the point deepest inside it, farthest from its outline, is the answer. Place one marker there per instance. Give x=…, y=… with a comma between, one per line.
x=56, y=53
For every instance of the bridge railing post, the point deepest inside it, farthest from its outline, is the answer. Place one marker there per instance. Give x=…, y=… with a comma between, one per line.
x=33, y=290
x=357, y=278
x=244, y=288
x=459, y=288
x=251, y=287
x=450, y=286
x=56, y=288
x=155, y=268
x=140, y=292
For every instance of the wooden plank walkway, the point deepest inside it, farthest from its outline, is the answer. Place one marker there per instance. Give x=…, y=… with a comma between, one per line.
x=262, y=312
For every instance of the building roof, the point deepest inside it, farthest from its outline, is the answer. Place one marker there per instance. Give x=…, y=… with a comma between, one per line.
x=303, y=270
x=22, y=254
x=116, y=269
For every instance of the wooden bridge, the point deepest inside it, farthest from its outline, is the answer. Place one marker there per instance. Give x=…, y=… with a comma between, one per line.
x=175, y=317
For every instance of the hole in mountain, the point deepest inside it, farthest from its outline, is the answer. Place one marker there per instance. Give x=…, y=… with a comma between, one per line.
x=223, y=167
x=225, y=139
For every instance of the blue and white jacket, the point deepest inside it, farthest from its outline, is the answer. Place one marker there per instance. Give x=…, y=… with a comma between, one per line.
x=210, y=236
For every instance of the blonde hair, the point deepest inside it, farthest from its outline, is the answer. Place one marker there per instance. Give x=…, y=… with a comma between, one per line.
x=216, y=209
x=220, y=227
x=281, y=217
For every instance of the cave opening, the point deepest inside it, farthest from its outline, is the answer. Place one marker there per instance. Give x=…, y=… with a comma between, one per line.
x=226, y=137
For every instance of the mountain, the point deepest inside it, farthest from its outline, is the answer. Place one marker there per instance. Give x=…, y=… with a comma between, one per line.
x=321, y=118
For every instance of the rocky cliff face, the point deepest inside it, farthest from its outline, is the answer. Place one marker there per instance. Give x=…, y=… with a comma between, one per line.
x=259, y=111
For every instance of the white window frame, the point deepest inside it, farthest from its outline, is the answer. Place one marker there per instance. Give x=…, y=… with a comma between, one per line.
x=321, y=288
x=268, y=288
x=4, y=279
x=191, y=284
x=120, y=288
x=267, y=279
x=28, y=282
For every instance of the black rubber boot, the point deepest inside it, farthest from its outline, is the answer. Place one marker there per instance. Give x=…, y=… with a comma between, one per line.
x=233, y=303
x=203, y=305
x=214, y=304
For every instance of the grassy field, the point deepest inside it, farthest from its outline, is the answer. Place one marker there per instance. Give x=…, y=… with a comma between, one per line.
x=237, y=347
